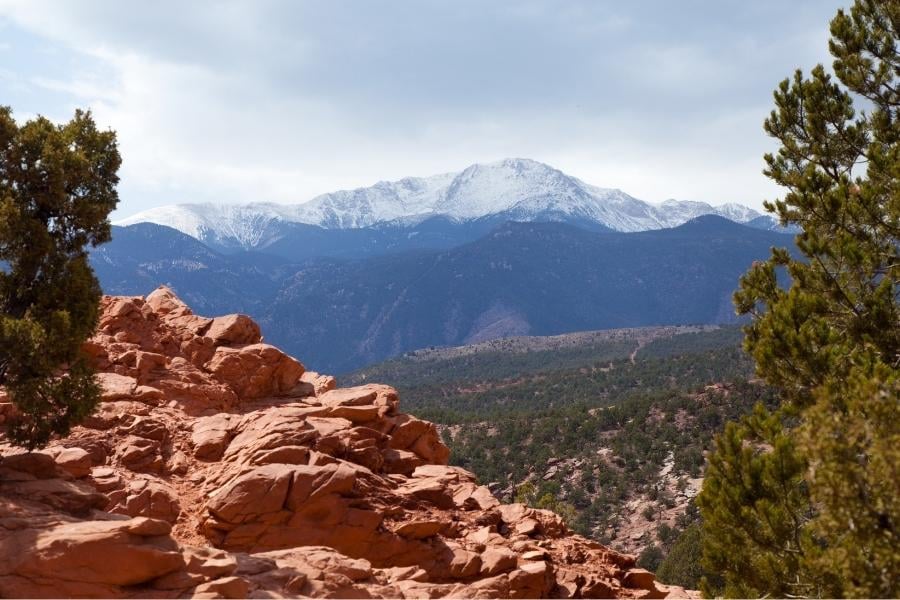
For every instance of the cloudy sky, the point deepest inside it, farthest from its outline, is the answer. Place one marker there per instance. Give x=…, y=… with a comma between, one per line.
x=280, y=101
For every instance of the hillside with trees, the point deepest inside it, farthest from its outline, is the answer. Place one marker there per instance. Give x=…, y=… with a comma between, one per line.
x=607, y=428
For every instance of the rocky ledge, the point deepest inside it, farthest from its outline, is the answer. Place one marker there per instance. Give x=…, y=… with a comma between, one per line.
x=216, y=466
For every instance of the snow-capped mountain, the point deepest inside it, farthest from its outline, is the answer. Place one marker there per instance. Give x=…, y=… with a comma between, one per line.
x=511, y=189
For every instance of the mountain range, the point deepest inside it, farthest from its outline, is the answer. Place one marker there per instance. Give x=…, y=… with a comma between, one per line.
x=436, y=212
x=508, y=248
x=538, y=278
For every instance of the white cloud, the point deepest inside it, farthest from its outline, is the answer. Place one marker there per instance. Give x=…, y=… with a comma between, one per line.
x=275, y=101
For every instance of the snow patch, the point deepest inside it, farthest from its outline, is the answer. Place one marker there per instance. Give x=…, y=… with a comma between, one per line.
x=516, y=188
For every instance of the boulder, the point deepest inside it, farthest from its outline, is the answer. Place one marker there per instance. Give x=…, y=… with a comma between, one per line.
x=115, y=387
x=256, y=493
x=140, y=454
x=639, y=578
x=210, y=436
x=531, y=580
x=418, y=530
x=165, y=303
x=260, y=432
x=34, y=464
x=497, y=560
x=234, y=330
x=76, y=461
x=255, y=370
x=90, y=553
x=147, y=497
x=75, y=498
x=225, y=587
x=318, y=384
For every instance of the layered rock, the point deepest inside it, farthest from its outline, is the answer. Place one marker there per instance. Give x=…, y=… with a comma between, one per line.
x=216, y=466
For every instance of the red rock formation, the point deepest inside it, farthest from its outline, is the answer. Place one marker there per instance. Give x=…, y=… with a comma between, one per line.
x=217, y=467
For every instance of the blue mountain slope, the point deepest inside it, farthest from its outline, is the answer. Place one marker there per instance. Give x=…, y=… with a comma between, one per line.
x=517, y=278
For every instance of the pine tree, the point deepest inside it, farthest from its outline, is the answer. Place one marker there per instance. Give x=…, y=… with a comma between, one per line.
x=830, y=342
x=681, y=565
x=756, y=511
x=57, y=188
x=852, y=439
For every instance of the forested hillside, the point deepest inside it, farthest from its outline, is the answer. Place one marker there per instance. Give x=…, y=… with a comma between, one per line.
x=608, y=428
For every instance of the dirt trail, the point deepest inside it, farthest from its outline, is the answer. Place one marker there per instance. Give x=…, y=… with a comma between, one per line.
x=640, y=344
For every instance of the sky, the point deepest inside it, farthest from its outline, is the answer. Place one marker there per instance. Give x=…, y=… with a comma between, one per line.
x=279, y=101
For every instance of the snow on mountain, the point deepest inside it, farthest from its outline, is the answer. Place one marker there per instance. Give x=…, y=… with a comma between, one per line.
x=676, y=212
x=383, y=202
x=517, y=189
x=245, y=224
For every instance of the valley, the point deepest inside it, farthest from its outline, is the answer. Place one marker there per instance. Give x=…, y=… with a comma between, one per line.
x=606, y=428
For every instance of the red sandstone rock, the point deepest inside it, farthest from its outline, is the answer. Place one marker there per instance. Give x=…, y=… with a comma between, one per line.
x=531, y=580
x=210, y=436
x=146, y=497
x=416, y=530
x=225, y=587
x=255, y=370
x=497, y=560
x=87, y=558
x=319, y=384
x=116, y=387
x=216, y=467
x=76, y=461
x=36, y=465
x=234, y=329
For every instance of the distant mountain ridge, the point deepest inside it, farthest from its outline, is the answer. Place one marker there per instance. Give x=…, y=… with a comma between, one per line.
x=517, y=279
x=508, y=190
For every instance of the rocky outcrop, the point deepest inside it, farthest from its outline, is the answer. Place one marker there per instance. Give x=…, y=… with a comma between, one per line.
x=217, y=467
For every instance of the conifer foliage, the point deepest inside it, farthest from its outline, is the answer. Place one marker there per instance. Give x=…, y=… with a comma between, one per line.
x=804, y=501
x=57, y=188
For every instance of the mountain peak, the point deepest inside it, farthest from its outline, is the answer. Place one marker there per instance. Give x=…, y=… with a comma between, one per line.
x=516, y=189
x=517, y=164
